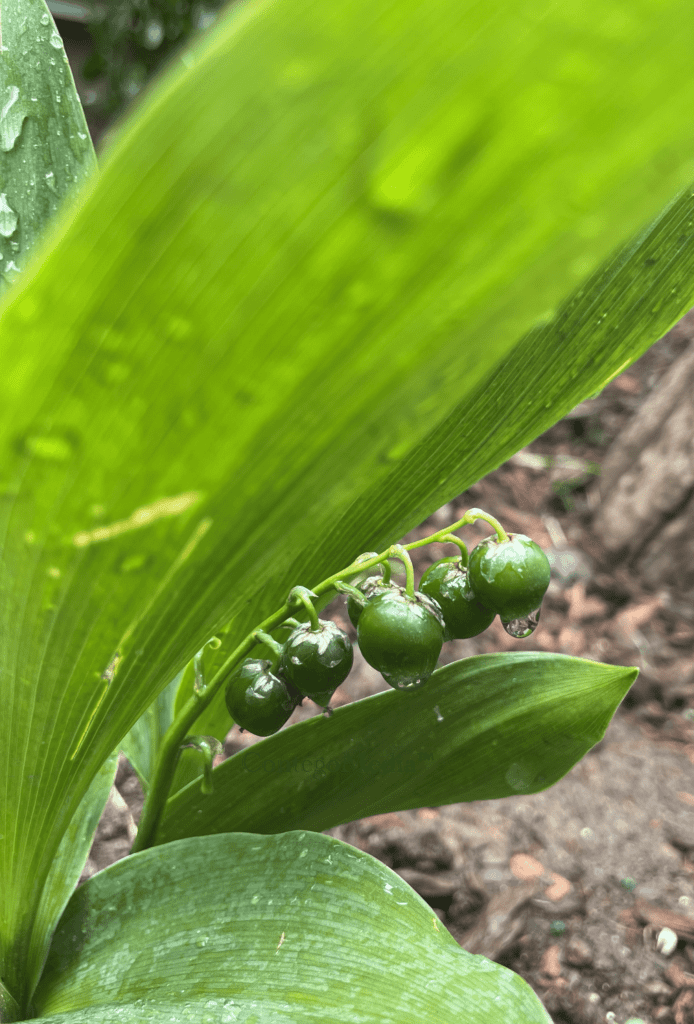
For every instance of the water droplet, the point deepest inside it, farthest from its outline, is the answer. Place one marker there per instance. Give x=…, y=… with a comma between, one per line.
x=132, y=563
x=202, y=942
x=52, y=449
x=8, y=218
x=405, y=682
x=12, y=116
x=254, y=899
x=153, y=34
x=11, y=270
x=439, y=716
x=29, y=537
x=520, y=628
x=50, y=180
x=53, y=572
x=519, y=777
x=56, y=42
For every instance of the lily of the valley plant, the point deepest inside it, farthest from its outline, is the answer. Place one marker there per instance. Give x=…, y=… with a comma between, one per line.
x=342, y=260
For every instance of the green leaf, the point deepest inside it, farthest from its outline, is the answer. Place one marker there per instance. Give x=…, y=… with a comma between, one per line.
x=293, y=928
x=45, y=149
x=486, y=727
x=68, y=863
x=141, y=744
x=291, y=319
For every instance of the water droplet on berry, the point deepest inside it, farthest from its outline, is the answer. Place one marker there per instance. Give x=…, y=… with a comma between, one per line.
x=520, y=628
x=403, y=682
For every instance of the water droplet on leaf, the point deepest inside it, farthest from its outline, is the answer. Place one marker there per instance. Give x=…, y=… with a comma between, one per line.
x=8, y=218
x=52, y=449
x=520, y=628
x=12, y=116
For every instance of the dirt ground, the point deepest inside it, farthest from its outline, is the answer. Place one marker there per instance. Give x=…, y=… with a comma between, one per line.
x=586, y=889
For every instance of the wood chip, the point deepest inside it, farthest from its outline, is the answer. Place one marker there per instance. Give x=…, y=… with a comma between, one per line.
x=501, y=923
x=648, y=913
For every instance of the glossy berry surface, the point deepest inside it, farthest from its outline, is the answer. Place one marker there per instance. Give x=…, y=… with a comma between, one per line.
x=317, y=662
x=369, y=587
x=257, y=699
x=448, y=583
x=510, y=577
x=401, y=637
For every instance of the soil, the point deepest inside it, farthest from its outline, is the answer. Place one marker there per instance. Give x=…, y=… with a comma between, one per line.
x=586, y=889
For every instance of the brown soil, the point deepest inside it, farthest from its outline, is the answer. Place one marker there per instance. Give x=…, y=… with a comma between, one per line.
x=586, y=889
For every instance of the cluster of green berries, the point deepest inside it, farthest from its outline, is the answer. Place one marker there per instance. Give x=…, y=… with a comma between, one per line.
x=399, y=633
x=261, y=695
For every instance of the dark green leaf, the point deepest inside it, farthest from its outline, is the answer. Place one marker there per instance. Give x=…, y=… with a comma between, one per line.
x=283, y=930
x=479, y=729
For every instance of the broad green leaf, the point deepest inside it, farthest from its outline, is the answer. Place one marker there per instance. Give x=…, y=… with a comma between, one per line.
x=45, y=149
x=69, y=861
x=482, y=728
x=287, y=322
x=142, y=742
x=284, y=929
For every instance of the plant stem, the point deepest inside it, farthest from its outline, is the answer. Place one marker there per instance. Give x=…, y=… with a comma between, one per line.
x=269, y=642
x=401, y=552
x=450, y=538
x=304, y=596
x=175, y=735
x=345, y=588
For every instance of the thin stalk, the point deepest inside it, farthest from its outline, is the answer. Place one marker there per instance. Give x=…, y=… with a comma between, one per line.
x=450, y=538
x=401, y=552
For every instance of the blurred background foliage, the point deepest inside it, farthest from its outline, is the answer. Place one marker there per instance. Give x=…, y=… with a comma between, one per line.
x=120, y=44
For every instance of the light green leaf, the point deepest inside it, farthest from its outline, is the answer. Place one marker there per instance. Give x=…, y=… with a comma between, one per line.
x=69, y=861
x=286, y=324
x=482, y=728
x=45, y=149
x=142, y=742
x=283, y=929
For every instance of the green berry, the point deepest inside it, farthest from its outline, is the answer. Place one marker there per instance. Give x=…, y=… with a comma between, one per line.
x=317, y=662
x=448, y=583
x=257, y=699
x=369, y=587
x=509, y=577
x=401, y=637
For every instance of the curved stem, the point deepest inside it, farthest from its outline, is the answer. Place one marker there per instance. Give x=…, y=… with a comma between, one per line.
x=303, y=595
x=476, y=513
x=401, y=552
x=450, y=538
x=387, y=571
x=290, y=624
x=345, y=588
x=270, y=642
